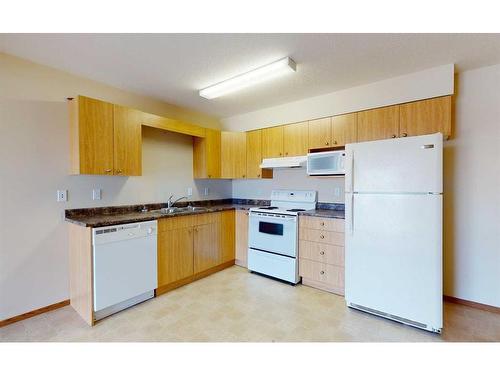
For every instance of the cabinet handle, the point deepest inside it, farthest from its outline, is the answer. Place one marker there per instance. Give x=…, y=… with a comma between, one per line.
x=327, y=143
x=334, y=142
x=258, y=175
x=321, y=253
x=209, y=176
x=322, y=224
x=243, y=176
x=119, y=171
x=405, y=134
x=107, y=170
x=286, y=153
x=393, y=136
x=281, y=154
x=322, y=272
x=322, y=237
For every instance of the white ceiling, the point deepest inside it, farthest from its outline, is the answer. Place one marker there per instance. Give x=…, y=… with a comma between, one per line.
x=173, y=67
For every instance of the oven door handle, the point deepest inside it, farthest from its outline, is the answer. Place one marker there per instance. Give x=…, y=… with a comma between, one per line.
x=279, y=219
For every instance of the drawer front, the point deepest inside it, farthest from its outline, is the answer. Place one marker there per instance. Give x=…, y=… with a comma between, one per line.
x=324, y=253
x=320, y=223
x=332, y=276
x=322, y=236
x=176, y=222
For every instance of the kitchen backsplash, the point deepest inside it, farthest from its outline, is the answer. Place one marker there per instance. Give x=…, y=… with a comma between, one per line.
x=330, y=189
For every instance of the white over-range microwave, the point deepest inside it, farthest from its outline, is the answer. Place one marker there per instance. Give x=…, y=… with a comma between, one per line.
x=326, y=163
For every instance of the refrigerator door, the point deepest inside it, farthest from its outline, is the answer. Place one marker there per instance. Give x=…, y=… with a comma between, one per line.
x=393, y=257
x=402, y=165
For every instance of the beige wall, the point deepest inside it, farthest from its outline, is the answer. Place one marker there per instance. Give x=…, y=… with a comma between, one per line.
x=472, y=190
x=34, y=160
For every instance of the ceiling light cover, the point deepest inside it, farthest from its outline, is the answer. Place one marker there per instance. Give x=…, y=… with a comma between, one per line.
x=264, y=73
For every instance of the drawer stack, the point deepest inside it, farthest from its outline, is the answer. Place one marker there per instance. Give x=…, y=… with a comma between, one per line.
x=321, y=253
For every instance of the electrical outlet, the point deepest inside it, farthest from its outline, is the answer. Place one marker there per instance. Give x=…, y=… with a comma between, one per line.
x=62, y=195
x=205, y=191
x=189, y=192
x=96, y=194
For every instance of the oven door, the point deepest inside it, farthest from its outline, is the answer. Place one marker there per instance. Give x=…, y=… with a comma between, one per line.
x=275, y=234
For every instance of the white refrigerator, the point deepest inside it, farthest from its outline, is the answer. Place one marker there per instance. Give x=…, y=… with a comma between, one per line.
x=393, y=245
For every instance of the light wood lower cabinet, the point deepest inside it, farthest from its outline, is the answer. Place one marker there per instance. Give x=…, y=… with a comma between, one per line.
x=321, y=253
x=206, y=247
x=227, y=235
x=175, y=255
x=193, y=246
x=241, y=232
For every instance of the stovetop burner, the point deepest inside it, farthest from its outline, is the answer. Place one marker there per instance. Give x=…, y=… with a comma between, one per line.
x=295, y=210
x=268, y=208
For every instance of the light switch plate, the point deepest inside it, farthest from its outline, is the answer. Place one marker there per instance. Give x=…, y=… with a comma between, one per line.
x=205, y=191
x=62, y=195
x=189, y=191
x=96, y=194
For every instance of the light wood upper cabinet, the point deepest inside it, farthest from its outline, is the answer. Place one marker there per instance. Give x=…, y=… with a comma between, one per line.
x=272, y=142
x=233, y=155
x=380, y=123
x=295, y=139
x=241, y=233
x=426, y=117
x=344, y=129
x=127, y=141
x=254, y=156
x=227, y=235
x=320, y=133
x=91, y=130
x=207, y=155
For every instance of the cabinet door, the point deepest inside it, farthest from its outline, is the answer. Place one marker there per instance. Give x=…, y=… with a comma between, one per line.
x=254, y=154
x=380, y=123
x=95, y=133
x=206, y=247
x=241, y=232
x=206, y=155
x=426, y=117
x=272, y=142
x=175, y=255
x=233, y=155
x=320, y=133
x=127, y=141
x=227, y=235
x=344, y=129
x=295, y=139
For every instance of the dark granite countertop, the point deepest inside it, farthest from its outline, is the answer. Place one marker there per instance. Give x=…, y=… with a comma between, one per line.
x=105, y=216
x=115, y=215
x=327, y=213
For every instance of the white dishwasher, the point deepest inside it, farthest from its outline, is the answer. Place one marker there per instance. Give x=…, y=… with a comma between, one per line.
x=125, y=266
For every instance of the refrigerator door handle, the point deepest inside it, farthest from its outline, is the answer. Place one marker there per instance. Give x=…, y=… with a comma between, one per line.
x=351, y=215
x=349, y=173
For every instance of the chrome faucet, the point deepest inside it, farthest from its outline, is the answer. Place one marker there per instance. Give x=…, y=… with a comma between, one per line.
x=170, y=203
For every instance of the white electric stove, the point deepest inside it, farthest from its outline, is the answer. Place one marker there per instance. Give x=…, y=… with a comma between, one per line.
x=273, y=234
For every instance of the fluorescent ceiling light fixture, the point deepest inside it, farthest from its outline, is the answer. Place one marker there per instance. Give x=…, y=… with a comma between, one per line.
x=264, y=73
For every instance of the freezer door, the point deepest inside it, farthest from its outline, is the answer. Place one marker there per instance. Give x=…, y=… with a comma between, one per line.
x=402, y=165
x=393, y=255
